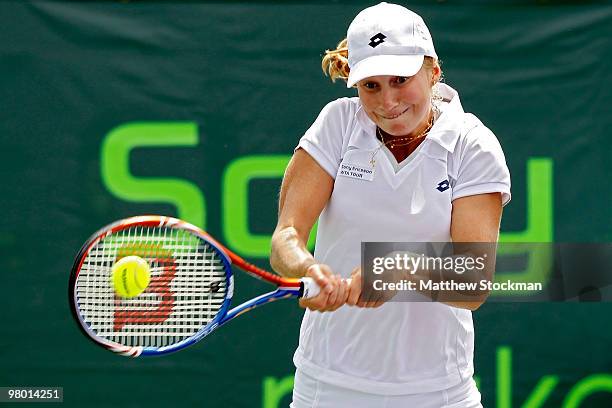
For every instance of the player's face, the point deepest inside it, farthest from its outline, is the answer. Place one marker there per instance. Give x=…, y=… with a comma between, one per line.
x=398, y=105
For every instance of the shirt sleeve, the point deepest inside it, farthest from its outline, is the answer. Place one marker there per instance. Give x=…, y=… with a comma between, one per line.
x=482, y=167
x=324, y=139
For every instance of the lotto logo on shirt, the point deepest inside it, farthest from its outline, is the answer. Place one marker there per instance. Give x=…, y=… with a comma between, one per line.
x=443, y=186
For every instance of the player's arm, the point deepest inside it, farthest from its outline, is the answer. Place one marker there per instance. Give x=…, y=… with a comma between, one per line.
x=305, y=191
x=476, y=219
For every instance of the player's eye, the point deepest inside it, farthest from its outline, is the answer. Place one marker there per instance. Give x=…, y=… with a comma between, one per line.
x=400, y=79
x=369, y=85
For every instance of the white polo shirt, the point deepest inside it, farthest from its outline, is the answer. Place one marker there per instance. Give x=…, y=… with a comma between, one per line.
x=399, y=348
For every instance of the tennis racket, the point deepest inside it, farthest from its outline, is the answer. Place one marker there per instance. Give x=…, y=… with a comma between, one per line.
x=189, y=294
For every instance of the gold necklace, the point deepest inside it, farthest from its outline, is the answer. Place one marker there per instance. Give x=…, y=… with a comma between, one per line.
x=405, y=140
x=398, y=139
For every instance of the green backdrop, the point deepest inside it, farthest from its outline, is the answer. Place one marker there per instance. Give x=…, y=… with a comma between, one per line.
x=111, y=109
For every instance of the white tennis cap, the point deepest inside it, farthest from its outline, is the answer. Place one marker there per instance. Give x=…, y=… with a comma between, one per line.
x=387, y=39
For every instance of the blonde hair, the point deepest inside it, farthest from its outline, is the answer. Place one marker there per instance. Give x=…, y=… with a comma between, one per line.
x=335, y=62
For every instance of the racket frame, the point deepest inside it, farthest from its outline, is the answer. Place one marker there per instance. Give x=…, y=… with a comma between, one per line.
x=287, y=287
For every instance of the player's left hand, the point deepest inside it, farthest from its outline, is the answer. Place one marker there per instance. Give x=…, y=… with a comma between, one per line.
x=358, y=298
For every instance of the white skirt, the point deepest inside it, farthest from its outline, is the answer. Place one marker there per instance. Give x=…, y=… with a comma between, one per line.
x=309, y=392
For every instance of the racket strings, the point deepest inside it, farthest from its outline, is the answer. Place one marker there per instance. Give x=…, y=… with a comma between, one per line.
x=186, y=291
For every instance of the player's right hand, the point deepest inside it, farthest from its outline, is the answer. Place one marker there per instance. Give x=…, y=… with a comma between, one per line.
x=334, y=289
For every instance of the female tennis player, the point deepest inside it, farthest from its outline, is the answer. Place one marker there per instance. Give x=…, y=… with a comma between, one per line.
x=400, y=162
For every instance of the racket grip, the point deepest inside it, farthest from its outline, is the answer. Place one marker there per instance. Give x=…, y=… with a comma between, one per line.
x=310, y=288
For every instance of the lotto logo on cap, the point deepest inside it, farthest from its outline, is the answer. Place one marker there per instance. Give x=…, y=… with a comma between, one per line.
x=387, y=39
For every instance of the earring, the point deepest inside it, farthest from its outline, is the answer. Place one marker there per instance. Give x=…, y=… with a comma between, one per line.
x=436, y=98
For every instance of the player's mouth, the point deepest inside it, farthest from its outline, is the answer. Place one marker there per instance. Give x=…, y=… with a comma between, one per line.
x=391, y=117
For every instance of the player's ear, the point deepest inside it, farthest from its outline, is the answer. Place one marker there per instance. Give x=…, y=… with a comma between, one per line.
x=436, y=72
x=433, y=69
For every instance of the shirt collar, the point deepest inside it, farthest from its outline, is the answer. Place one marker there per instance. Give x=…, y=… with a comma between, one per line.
x=445, y=131
x=447, y=127
x=366, y=138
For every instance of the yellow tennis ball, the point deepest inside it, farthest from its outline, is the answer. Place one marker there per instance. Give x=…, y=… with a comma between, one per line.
x=130, y=276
